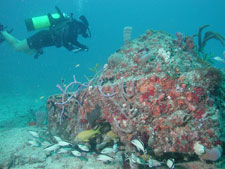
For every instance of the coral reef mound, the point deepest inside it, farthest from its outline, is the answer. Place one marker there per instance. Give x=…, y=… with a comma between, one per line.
x=151, y=89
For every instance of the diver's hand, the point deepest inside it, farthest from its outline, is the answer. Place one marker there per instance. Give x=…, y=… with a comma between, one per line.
x=80, y=49
x=86, y=49
x=76, y=50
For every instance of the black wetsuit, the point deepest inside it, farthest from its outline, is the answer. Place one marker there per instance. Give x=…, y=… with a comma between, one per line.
x=61, y=34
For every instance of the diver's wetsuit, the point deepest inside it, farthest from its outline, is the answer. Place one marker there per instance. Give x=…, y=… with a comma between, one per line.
x=41, y=39
x=62, y=34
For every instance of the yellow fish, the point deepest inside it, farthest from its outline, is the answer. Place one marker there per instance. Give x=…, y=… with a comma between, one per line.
x=77, y=65
x=110, y=135
x=85, y=135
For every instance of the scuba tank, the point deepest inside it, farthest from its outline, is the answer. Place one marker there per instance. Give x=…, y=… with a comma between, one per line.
x=45, y=21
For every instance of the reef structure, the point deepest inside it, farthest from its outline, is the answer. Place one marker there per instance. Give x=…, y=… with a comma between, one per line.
x=154, y=89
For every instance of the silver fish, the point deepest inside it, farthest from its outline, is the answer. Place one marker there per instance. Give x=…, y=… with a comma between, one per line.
x=115, y=147
x=63, y=151
x=34, y=134
x=52, y=148
x=45, y=144
x=76, y=153
x=137, y=160
x=63, y=143
x=107, y=150
x=139, y=145
x=33, y=143
x=153, y=163
x=219, y=59
x=101, y=145
x=104, y=158
x=83, y=147
x=58, y=139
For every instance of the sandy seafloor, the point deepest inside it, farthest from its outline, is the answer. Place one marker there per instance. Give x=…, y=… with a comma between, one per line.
x=16, y=153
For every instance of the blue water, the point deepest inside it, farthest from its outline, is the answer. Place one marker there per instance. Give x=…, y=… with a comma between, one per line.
x=21, y=75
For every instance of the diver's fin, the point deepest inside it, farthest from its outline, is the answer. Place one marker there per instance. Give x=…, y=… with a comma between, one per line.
x=2, y=39
x=2, y=28
x=38, y=53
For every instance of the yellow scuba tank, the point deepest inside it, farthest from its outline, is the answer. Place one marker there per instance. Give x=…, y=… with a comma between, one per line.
x=45, y=21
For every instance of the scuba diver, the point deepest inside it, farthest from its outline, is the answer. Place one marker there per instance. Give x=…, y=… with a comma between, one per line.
x=63, y=31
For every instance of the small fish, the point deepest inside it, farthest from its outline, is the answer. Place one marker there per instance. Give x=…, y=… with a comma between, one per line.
x=58, y=139
x=219, y=59
x=104, y=158
x=34, y=134
x=139, y=145
x=45, y=144
x=140, y=161
x=77, y=65
x=137, y=160
x=132, y=164
x=107, y=150
x=83, y=147
x=76, y=153
x=86, y=135
x=52, y=148
x=63, y=151
x=63, y=143
x=33, y=143
x=42, y=97
x=153, y=163
x=109, y=136
x=115, y=148
x=170, y=163
x=101, y=145
x=133, y=158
